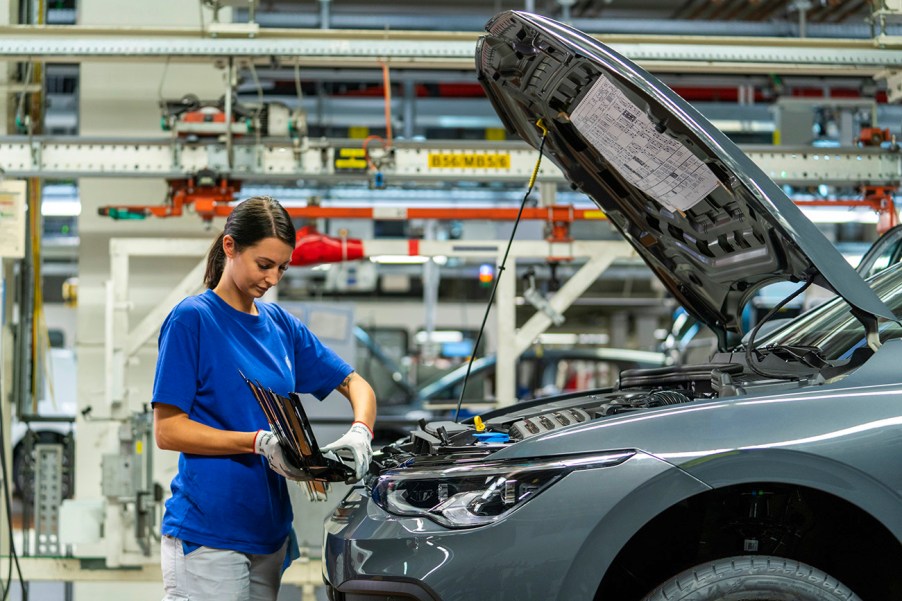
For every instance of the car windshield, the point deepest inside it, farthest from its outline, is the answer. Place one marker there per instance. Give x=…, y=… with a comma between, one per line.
x=834, y=330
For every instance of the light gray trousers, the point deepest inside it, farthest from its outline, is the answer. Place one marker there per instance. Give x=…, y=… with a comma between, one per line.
x=208, y=574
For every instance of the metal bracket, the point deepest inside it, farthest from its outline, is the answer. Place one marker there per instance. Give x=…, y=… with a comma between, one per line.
x=537, y=300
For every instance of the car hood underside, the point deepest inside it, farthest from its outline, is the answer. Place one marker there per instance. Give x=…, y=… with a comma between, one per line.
x=711, y=225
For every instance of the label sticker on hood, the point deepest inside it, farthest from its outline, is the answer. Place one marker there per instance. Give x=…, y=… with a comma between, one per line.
x=653, y=162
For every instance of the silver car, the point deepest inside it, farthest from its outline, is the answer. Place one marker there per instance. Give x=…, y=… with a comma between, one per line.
x=771, y=472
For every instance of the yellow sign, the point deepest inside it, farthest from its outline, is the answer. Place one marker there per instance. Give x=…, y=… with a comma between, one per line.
x=471, y=160
x=350, y=158
x=358, y=132
x=495, y=134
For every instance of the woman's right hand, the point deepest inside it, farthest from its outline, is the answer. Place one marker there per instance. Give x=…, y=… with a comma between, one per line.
x=267, y=444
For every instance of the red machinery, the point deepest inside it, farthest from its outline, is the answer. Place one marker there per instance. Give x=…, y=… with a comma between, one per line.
x=210, y=196
x=313, y=248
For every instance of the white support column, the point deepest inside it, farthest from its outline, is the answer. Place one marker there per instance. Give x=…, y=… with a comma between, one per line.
x=116, y=327
x=506, y=320
x=547, y=193
x=430, y=296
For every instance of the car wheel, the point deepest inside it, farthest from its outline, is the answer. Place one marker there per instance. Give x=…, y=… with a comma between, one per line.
x=23, y=468
x=752, y=578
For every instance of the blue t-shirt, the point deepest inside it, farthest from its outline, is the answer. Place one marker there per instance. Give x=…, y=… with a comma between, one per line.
x=234, y=502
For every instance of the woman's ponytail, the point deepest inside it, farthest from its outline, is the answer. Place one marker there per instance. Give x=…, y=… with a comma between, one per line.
x=215, y=263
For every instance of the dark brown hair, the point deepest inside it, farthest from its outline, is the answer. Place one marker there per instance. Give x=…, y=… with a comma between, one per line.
x=251, y=221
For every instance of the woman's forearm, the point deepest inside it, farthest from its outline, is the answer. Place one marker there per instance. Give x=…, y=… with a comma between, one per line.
x=362, y=397
x=175, y=431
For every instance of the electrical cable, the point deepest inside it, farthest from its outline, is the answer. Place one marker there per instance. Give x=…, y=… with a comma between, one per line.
x=510, y=242
x=258, y=122
x=366, y=150
x=20, y=105
x=386, y=87
x=6, y=492
x=162, y=81
x=750, y=345
x=300, y=129
x=297, y=84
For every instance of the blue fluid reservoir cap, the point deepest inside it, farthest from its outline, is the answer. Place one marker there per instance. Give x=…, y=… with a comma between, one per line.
x=495, y=437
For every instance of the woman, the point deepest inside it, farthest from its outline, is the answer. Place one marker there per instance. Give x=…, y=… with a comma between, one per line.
x=227, y=524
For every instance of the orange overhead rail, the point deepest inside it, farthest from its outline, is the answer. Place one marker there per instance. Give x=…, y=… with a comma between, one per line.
x=563, y=213
x=212, y=197
x=211, y=208
x=877, y=198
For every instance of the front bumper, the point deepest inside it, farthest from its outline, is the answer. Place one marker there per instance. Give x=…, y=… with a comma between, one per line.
x=380, y=590
x=556, y=546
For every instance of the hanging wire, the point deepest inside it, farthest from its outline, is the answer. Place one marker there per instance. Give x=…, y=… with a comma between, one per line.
x=162, y=81
x=501, y=268
x=750, y=345
x=258, y=125
x=20, y=106
x=297, y=84
x=386, y=85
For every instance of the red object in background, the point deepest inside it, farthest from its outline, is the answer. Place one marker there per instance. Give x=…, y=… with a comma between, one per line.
x=873, y=136
x=881, y=197
x=312, y=248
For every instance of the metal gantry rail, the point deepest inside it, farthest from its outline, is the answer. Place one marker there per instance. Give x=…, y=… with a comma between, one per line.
x=422, y=162
x=437, y=50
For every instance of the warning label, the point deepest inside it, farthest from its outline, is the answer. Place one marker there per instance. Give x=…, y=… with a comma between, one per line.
x=350, y=159
x=655, y=163
x=481, y=160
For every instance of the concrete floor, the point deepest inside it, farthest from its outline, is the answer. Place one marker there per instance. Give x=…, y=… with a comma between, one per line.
x=57, y=591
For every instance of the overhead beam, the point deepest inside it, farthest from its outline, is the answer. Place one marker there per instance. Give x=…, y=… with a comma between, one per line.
x=437, y=50
x=435, y=162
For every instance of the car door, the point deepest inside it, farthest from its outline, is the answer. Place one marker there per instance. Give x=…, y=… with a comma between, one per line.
x=886, y=251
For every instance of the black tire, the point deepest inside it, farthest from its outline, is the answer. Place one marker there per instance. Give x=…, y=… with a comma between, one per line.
x=23, y=466
x=752, y=578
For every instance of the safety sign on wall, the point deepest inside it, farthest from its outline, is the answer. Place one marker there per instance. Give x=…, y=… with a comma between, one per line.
x=12, y=219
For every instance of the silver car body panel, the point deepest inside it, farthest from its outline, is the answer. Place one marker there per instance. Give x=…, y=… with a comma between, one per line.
x=808, y=438
x=373, y=544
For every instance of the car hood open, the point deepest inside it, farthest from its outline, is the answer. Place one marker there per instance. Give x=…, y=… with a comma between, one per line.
x=710, y=224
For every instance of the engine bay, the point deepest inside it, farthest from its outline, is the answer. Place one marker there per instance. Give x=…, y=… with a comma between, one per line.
x=636, y=390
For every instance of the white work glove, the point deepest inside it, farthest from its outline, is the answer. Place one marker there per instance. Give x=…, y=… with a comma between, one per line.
x=267, y=444
x=357, y=440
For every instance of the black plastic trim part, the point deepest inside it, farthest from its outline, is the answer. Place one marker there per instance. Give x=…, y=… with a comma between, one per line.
x=395, y=586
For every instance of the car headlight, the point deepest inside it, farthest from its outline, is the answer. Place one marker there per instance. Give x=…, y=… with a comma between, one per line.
x=465, y=496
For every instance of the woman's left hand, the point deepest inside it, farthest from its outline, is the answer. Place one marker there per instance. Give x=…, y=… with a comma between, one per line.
x=357, y=440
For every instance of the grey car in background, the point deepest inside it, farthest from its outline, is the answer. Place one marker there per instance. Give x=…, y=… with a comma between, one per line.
x=771, y=472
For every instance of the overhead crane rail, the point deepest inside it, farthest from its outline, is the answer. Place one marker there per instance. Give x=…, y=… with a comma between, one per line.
x=438, y=50
x=437, y=162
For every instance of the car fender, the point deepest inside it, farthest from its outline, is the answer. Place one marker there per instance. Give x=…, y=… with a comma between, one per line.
x=661, y=492
x=817, y=472
x=618, y=525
